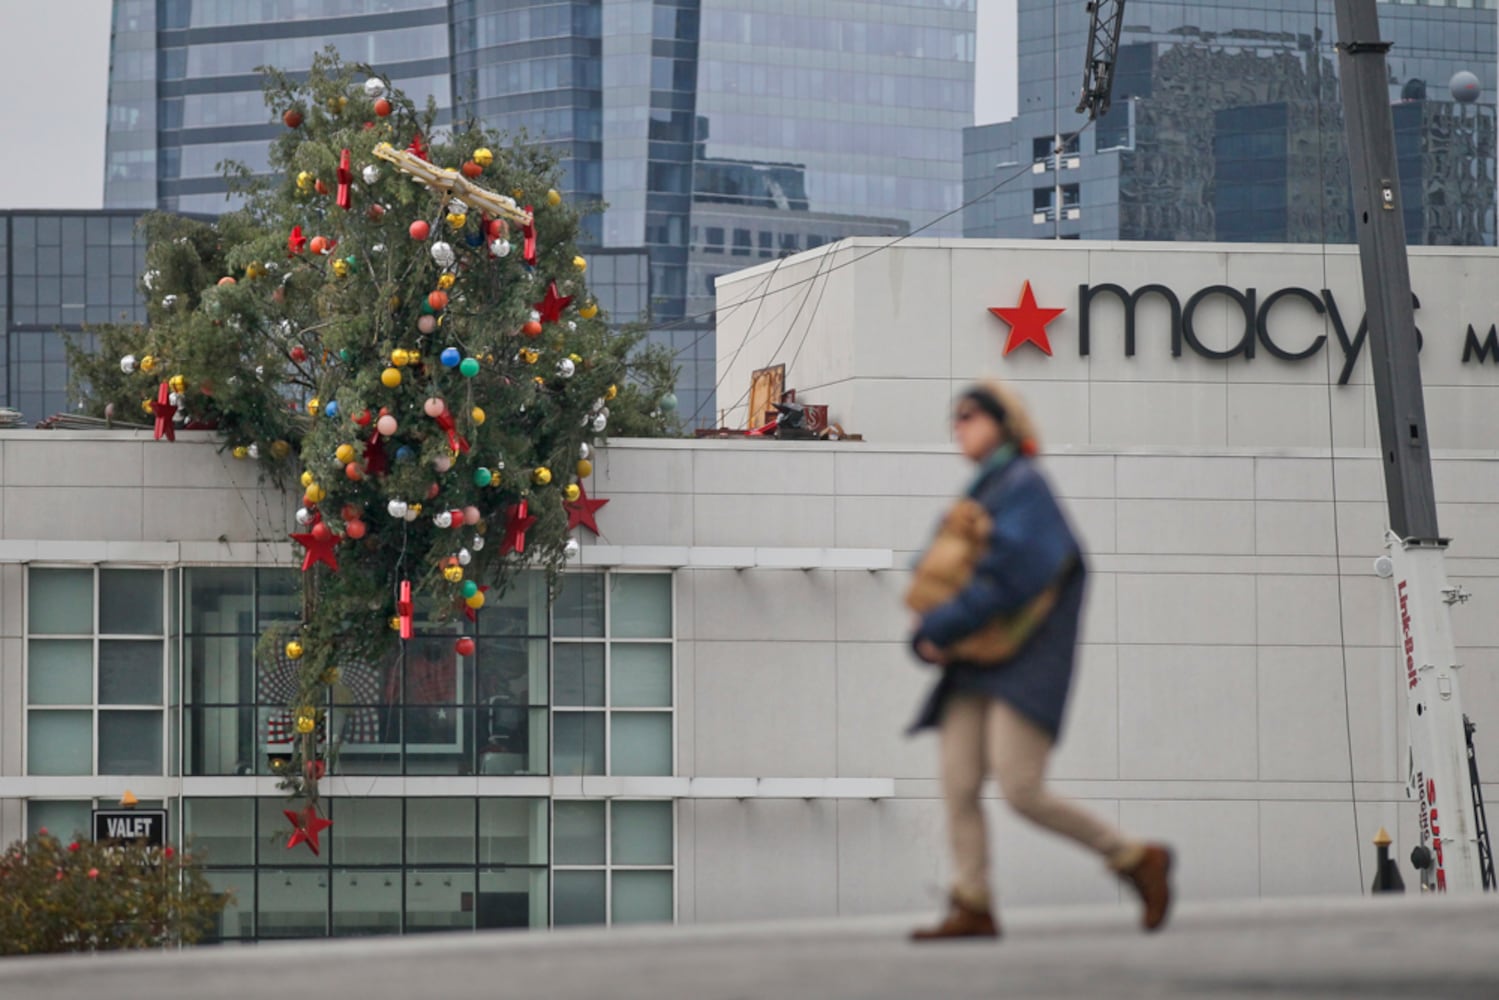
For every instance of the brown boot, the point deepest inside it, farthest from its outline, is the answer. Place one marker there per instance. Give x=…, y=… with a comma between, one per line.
x=962, y=921
x=1151, y=877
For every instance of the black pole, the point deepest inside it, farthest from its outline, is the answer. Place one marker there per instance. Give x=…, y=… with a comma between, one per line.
x=1380, y=223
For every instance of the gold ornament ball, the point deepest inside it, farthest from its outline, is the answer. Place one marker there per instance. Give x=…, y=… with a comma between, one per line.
x=416, y=508
x=313, y=405
x=589, y=311
x=457, y=220
x=554, y=198
x=415, y=357
x=307, y=479
x=572, y=492
x=146, y=407
x=446, y=281
x=280, y=449
x=306, y=724
x=316, y=493
x=240, y=451
x=340, y=267
x=541, y=476
x=611, y=392
x=394, y=623
x=330, y=676
x=344, y=453
x=580, y=264
x=390, y=378
x=476, y=602
x=539, y=380
x=148, y=363
x=477, y=415
x=585, y=468
x=254, y=270
x=483, y=156
x=305, y=180
x=400, y=357
x=294, y=650
x=453, y=574
x=177, y=383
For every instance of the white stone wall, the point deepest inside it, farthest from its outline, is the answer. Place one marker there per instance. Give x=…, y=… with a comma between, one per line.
x=1232, y=607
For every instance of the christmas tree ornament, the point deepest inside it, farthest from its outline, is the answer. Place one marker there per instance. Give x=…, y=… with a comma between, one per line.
x=585, y=450
x=469, y=367
x=477, y=415
x=580, y=264
x=370, y=173
x=483, y=477
x=442, y=463
x=298, y=353
x=148, y=364
x=517, y=522
x=571, y=492
x=471, y=515
x=318, y=546
x=426, y=324
x=464, y=646
x=483, y=156
x=252, y=451
x=168, y=301
x=386, y=425
x=294, y=650
x=446, y=281
x=292, y=118
x=396, y=508
x=554, y=197
x=667, y=403
x=400, y=357
x=449, y=358
x=583, y=512
x=443, y=519
x=405, y=609
x=531, y=328
x=337, y=103
x=589, y=311
x=566, y=368
x=390, y=378
x=419, y=230
x=453, y=573
x=306, y=479
x=127, y=364
x=296, y=242
x=585, y=468
x=374, y=87
x=226, y=280
x=599, y=423
x=549, y=309
x=304, y=516
x=319, y=186
x=341, y=268
x=345, y=177
x=541, y=475
x=306, y=827
x=438, y=300
x=442, y=253
x=471, y=169
x=571, y=548
x=331, y=410
x=383, y=107
x=355, y=529
x=457, y=220
x=240, y=451
x=319, y=245
x=306, y=723
x=280, y=448
x=434, y=407
x=477, y=544
x=353, y=472
x=163, y=410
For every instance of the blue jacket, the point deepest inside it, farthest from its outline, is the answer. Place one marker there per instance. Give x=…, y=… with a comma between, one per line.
x=1031, y=546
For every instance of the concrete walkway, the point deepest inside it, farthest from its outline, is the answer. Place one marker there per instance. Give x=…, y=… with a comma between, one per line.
x=1365, y=948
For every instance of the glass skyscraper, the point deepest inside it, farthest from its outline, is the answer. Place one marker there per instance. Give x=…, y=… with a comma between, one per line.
x=718, y=132
x=1227, y=125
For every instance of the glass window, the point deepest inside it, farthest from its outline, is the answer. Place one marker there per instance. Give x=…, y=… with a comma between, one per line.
x=578, y=743
x=641, y=897
x=578, y=898
x=515, y=897
x=130, y=742
x=223, y=829
x=640, y=743
x=293, y=904
x=440, y=831
x=438, y=900
x=60, y=601
x=580, y=833
x=59, y=742
x=366, y=832
x=640, y=606
x=579, y=669
x=60, y=672
x=64, y=819
x=578, y=610
x=366, y=902
x=640, y=675
x=642, y=833
x=512, y=831
x=237, y=919
x=130, y=671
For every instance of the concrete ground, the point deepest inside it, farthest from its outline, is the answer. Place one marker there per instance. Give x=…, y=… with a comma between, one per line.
x=1366, y=948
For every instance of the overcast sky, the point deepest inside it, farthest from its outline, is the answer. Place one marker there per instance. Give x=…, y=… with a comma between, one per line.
x=54, y=69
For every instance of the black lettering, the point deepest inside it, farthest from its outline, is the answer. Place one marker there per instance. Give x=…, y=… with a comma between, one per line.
x=1245, y=299
x=1488, y=349
x=1129, y=300
x=1262, y=327
x=1351, y=349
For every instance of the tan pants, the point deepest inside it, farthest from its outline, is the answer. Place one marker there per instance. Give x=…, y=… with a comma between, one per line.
x=979, y=735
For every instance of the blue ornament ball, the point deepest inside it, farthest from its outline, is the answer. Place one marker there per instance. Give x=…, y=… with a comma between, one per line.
x=332, y=408
x=450, y=357
x=403, y=454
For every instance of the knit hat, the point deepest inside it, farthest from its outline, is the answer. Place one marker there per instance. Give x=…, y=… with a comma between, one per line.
x=1000, y=401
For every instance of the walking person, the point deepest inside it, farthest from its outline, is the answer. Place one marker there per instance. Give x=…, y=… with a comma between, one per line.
x=998, y=595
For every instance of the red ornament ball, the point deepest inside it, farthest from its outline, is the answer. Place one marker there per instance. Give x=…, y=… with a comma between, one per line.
x=382, y=107
x=353, y=472
x=320, y=187
x=375, y=212
x=349, y=512
x=299, y=353
x=438, y=300
x=355, y=529
x=420, y=230
x=319, y=244
x=363, y=420
x=531, y=329
x=471, y=169
x=320, y=532
x=292, y=117
x=464, y=646
x=432, y=491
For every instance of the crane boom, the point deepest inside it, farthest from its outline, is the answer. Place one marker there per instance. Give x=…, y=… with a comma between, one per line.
x=1105, y=19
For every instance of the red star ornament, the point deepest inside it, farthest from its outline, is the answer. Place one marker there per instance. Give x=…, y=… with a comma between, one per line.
x=517, y=523
x=405, y=609
x=345, y=178
x=1027, y=322
x=164, y=410
x=319, y=550
x=581, y=512
x=296, y=242
x=551, y=307
x=306, y=825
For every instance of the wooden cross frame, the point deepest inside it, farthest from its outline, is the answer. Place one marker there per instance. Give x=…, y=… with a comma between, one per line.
x=454, y=185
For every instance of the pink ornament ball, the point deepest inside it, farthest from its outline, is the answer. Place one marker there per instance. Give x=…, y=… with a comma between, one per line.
x=435, y=407
x=471, y=516
x=386, y=425
x=426, y=324
x=442, y=463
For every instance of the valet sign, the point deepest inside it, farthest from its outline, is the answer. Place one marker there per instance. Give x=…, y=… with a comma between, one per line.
x=126, y=826
x=1258, y=321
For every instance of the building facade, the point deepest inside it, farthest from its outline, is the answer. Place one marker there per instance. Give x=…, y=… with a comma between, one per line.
x=652, y=105
x=707, y=722
x=1227, y=125
x=58, y=272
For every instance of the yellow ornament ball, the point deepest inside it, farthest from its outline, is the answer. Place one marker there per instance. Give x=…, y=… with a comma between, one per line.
x=611, y=392
x=589, y=311
x=146, y=407
x=585, y=468
x=580, y=264
x=477, y=415
x=476, y=602
x=306, y=724
x=539, y=380
x=394, y=623
x=400, y=357
x=517, y=193
x=453, y=574
x=177, y=383
x=337, y=104
x=280, y=449
x=344, y=453
x=415, y=357
x=541, y=476
x=240, y=451
x=307, y=479
x=446, y=281
x=294, y=650
x=340, y=267
x=483, y=156
x=148, y=363
x=457, y=220
x=572, y=492
x=305, y=181
x=254, y=270
x=313, y=405
x=390, y=378
x=316, y=493
x=554, y=197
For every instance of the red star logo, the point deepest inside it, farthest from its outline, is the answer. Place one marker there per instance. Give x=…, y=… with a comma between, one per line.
x=580, y=512
x=1027, y=322
x=551, y=307
x=306, y=825
x=319, y=546
x=516, y=525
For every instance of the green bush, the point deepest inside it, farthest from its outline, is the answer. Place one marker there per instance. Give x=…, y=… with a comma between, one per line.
x=86, y=896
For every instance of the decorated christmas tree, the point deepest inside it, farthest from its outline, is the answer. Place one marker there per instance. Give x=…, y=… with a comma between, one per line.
x=397, y=324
